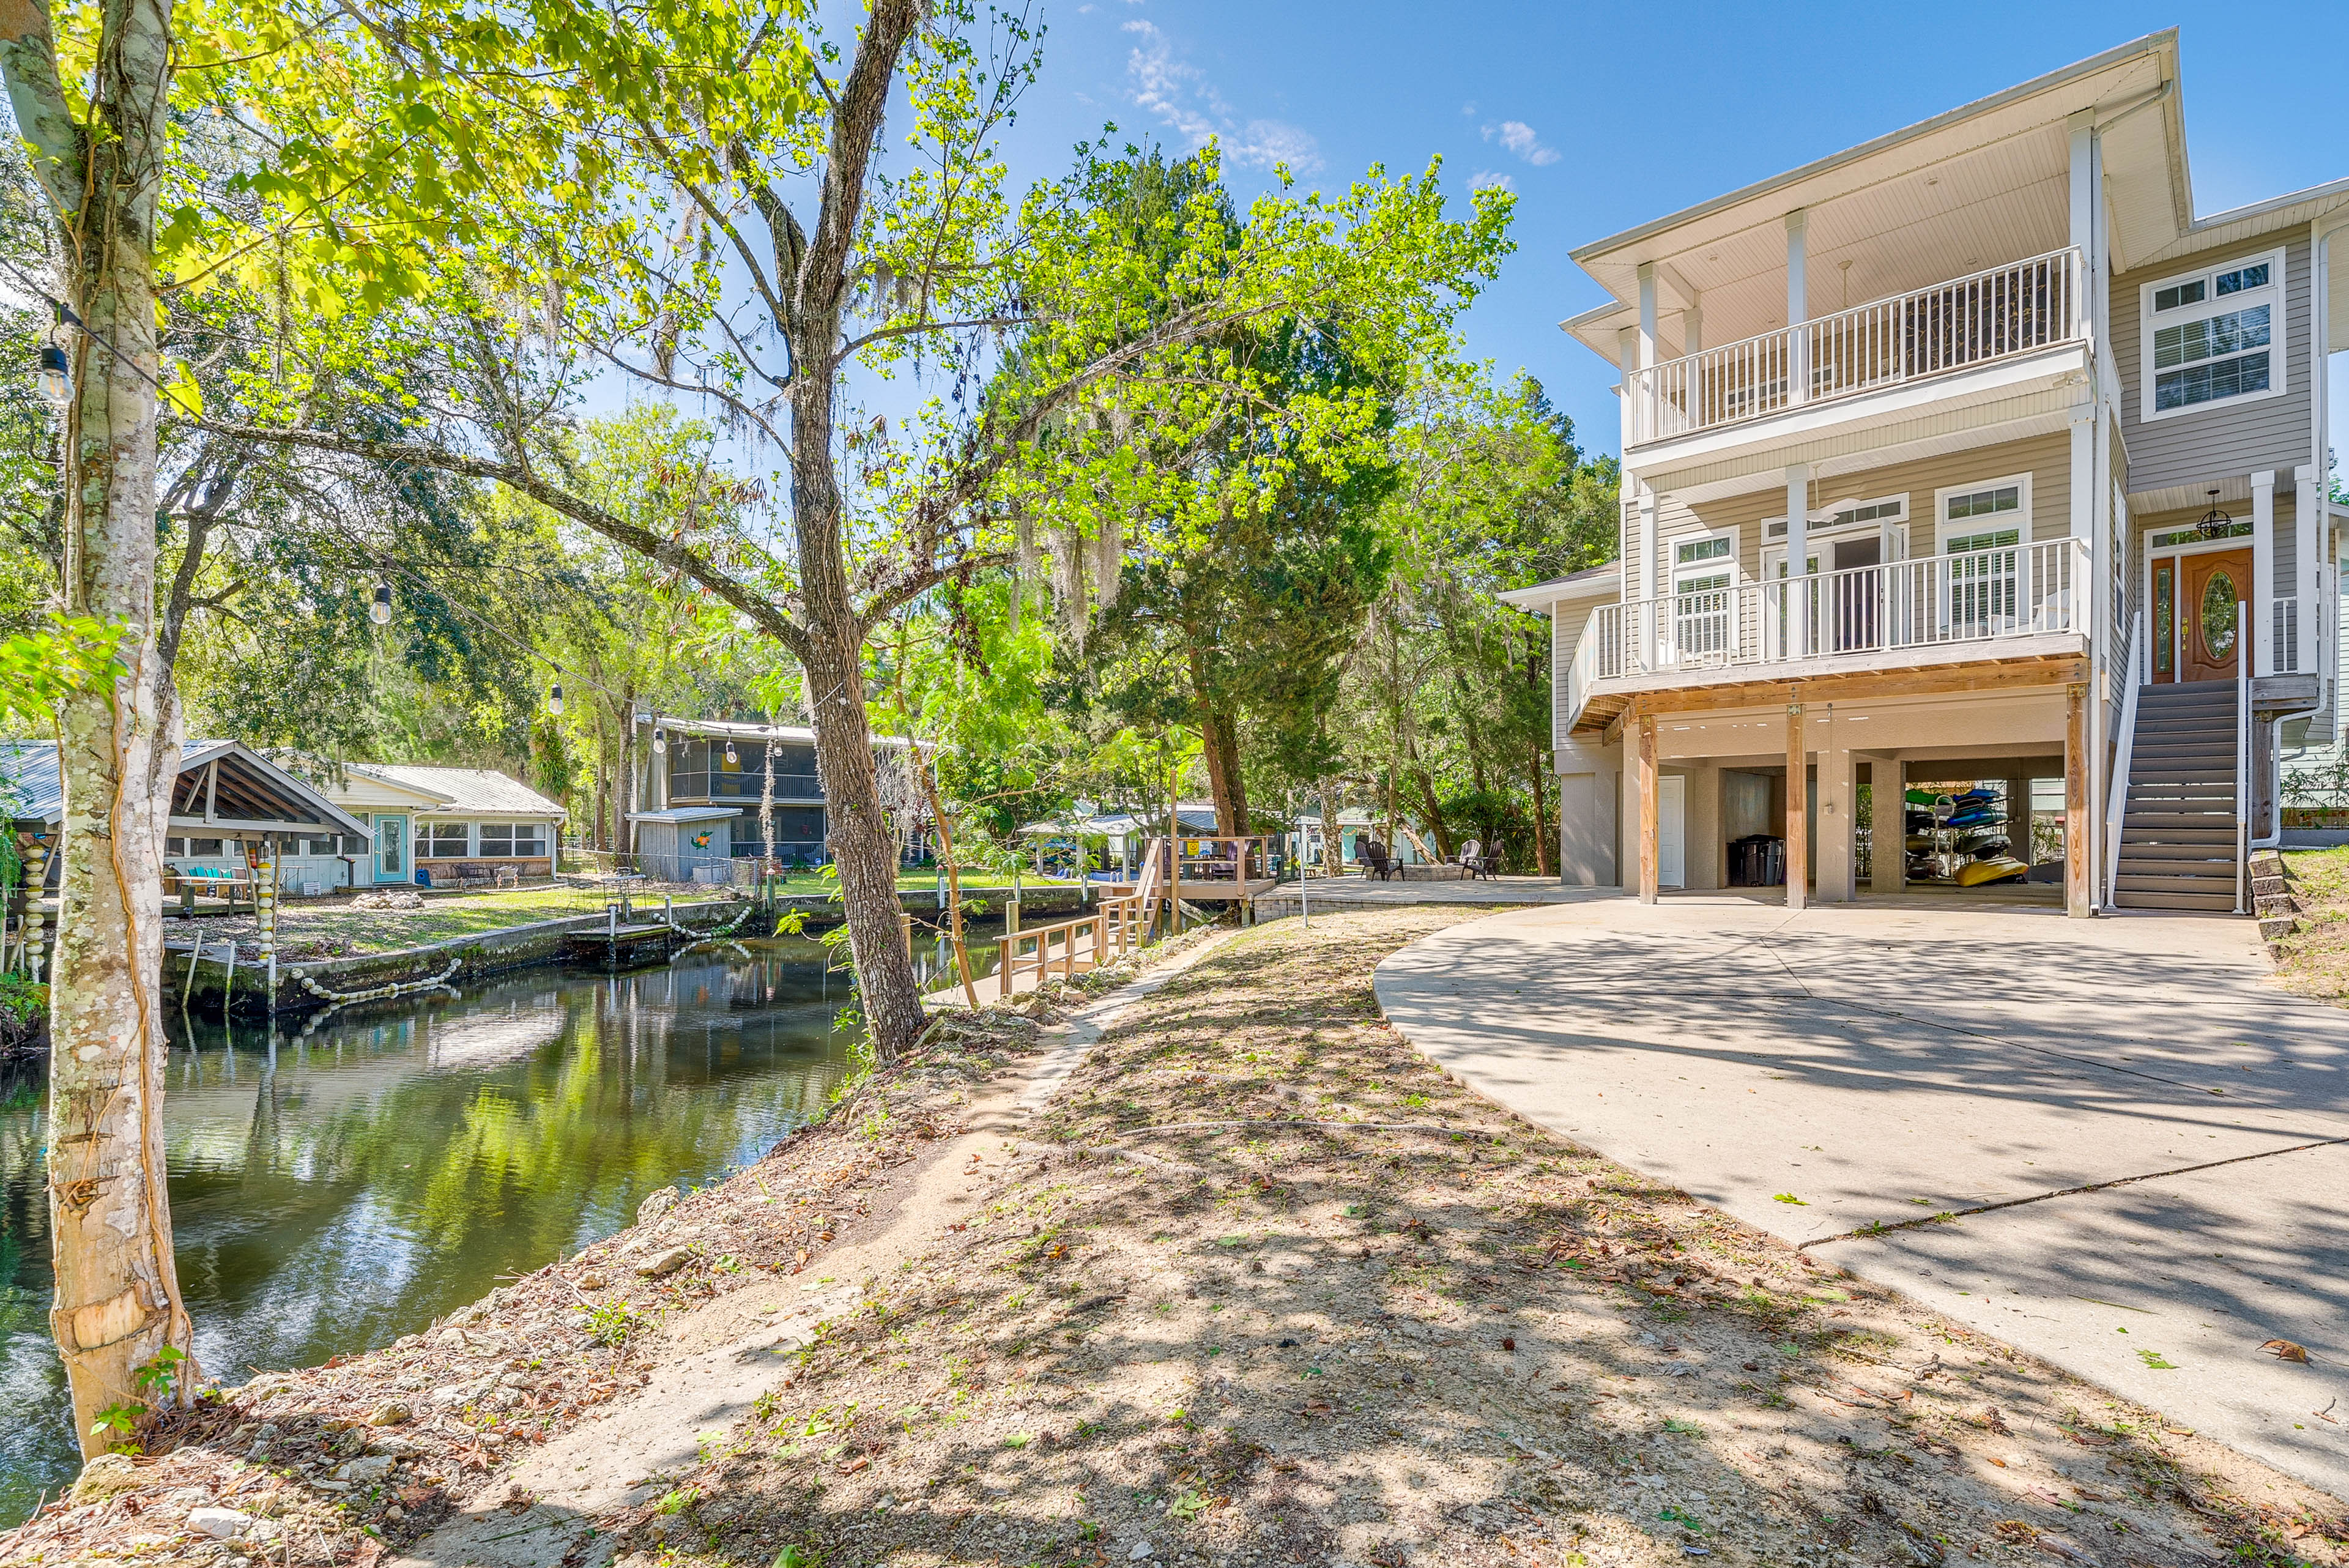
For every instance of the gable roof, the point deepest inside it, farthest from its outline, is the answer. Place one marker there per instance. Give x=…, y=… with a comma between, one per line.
x=221, y=785
x=460, y=792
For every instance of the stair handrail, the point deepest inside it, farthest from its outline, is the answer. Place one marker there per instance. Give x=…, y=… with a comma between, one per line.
x=2242, y=752
x=2117, y=803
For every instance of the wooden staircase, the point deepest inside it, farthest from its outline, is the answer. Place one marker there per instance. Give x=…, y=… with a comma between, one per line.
x=2181, y=842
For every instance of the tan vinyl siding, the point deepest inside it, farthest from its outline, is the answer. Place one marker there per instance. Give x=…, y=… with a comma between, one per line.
x=2047, y=459
x=2226, y=438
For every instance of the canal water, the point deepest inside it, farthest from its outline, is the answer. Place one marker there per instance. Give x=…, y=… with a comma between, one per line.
x=338, y=1184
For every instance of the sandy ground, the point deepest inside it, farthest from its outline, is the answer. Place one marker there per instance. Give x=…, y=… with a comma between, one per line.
x=1257, y=1286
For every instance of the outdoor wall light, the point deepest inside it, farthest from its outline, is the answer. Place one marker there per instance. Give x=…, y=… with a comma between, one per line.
x=54, y=377
x=555, y=698
x=380, y=611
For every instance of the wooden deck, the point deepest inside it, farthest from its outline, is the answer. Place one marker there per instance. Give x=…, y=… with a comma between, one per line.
x=1207, y=890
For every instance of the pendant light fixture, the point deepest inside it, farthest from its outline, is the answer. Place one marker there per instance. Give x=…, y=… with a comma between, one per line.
x=2215, y=523
x=661, y=738
x=380, y=610
x=555, y=698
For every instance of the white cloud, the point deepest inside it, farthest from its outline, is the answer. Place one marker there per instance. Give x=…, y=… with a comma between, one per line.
x=1485, y=179
x=1187, y=103
x=1518, y=137
x=1469, y=109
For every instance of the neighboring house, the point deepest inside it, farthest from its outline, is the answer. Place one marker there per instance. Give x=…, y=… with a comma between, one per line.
x=229, y=799
x=708, y=782
x=2029, y=430
x=441, y=820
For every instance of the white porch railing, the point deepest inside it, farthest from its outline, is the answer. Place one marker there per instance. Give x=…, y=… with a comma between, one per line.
x=2021, y=590
x=2138, y=666
x=2287, y=638
x=2007, y=310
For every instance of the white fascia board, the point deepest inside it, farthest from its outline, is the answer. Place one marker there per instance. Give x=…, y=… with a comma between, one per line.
x=1785, y=429
x=1602, y=583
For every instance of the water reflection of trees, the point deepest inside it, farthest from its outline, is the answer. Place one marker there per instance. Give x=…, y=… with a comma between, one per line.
x=337, y=1188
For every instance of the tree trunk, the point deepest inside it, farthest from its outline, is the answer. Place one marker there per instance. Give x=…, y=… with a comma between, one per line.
x=1221, y=754
x=1427, y=799
x=1541, y=820
x=832, y=663
x=1537, y=654
x=117, y=1301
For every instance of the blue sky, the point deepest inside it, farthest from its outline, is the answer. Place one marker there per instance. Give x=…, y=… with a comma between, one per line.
x=1602, y=117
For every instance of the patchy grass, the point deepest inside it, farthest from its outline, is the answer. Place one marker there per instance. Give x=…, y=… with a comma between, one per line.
x=1250, y=1342
x=2314, y=959
x=1218, y=1302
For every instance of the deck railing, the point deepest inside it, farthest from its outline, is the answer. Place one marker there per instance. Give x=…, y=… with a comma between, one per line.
x=2286, y=647
x=2020, y=590
x=2016, y=308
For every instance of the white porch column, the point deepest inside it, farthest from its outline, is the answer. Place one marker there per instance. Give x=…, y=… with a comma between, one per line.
x=2081, y=185
x=2085, y=483
x=1692, y=325
x=1799, y=305
x=1647, y=275
x=1887, y=824
x=1627, y=359
x=1838, y=804
x=2308, y=568
x=1798, y=551
x=2262, y=597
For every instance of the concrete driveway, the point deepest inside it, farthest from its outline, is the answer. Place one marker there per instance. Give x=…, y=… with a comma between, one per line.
x=2157, y=1139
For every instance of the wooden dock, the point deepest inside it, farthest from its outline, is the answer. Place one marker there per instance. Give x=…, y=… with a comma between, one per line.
x=614, y=943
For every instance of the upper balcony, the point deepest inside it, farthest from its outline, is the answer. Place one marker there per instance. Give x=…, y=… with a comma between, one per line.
x=1971, y=335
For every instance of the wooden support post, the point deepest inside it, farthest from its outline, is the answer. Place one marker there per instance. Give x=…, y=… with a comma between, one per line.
x=1651, y=810
x=2076, y=840
x=1798, y=811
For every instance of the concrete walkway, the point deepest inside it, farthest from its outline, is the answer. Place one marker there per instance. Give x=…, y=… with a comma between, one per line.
x=1360, y=892
x=1884, y=1065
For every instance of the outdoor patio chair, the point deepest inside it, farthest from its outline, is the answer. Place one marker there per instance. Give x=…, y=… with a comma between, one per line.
x=1376, y=861
x=1477, y=864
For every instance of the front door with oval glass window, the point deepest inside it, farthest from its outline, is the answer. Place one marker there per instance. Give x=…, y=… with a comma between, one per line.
x=2199, y=605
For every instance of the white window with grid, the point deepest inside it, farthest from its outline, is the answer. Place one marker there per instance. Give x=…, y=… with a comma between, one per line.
x=2212, y=337
x=1704, y=580
x=1984, y=530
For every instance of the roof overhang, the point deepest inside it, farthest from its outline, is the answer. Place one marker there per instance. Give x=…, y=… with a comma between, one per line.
x=683, y=813
x=728, y=729
x=377, y=781
x=1598, y=582
x=1987, y=180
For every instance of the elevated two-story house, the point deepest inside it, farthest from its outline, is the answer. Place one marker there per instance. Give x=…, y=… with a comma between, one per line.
x=1972, y=475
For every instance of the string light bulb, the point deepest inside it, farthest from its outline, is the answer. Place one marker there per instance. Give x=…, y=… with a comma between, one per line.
x=54, y=377
x=660, y=739
x=555, y=698
x=380, y=611
x=731, y=760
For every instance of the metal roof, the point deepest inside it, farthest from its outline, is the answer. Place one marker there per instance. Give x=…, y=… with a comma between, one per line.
x=470, y=792
x=29, y=782
x=683, y=813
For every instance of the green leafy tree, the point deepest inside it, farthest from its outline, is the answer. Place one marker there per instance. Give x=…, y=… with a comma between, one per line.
x=696, y=199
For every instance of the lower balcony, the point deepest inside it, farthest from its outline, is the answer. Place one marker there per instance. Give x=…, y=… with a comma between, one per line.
x=2015, y=601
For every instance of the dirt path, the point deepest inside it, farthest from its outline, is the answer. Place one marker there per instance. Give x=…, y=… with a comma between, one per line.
x=1259, y=1287
x=734, y=1350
